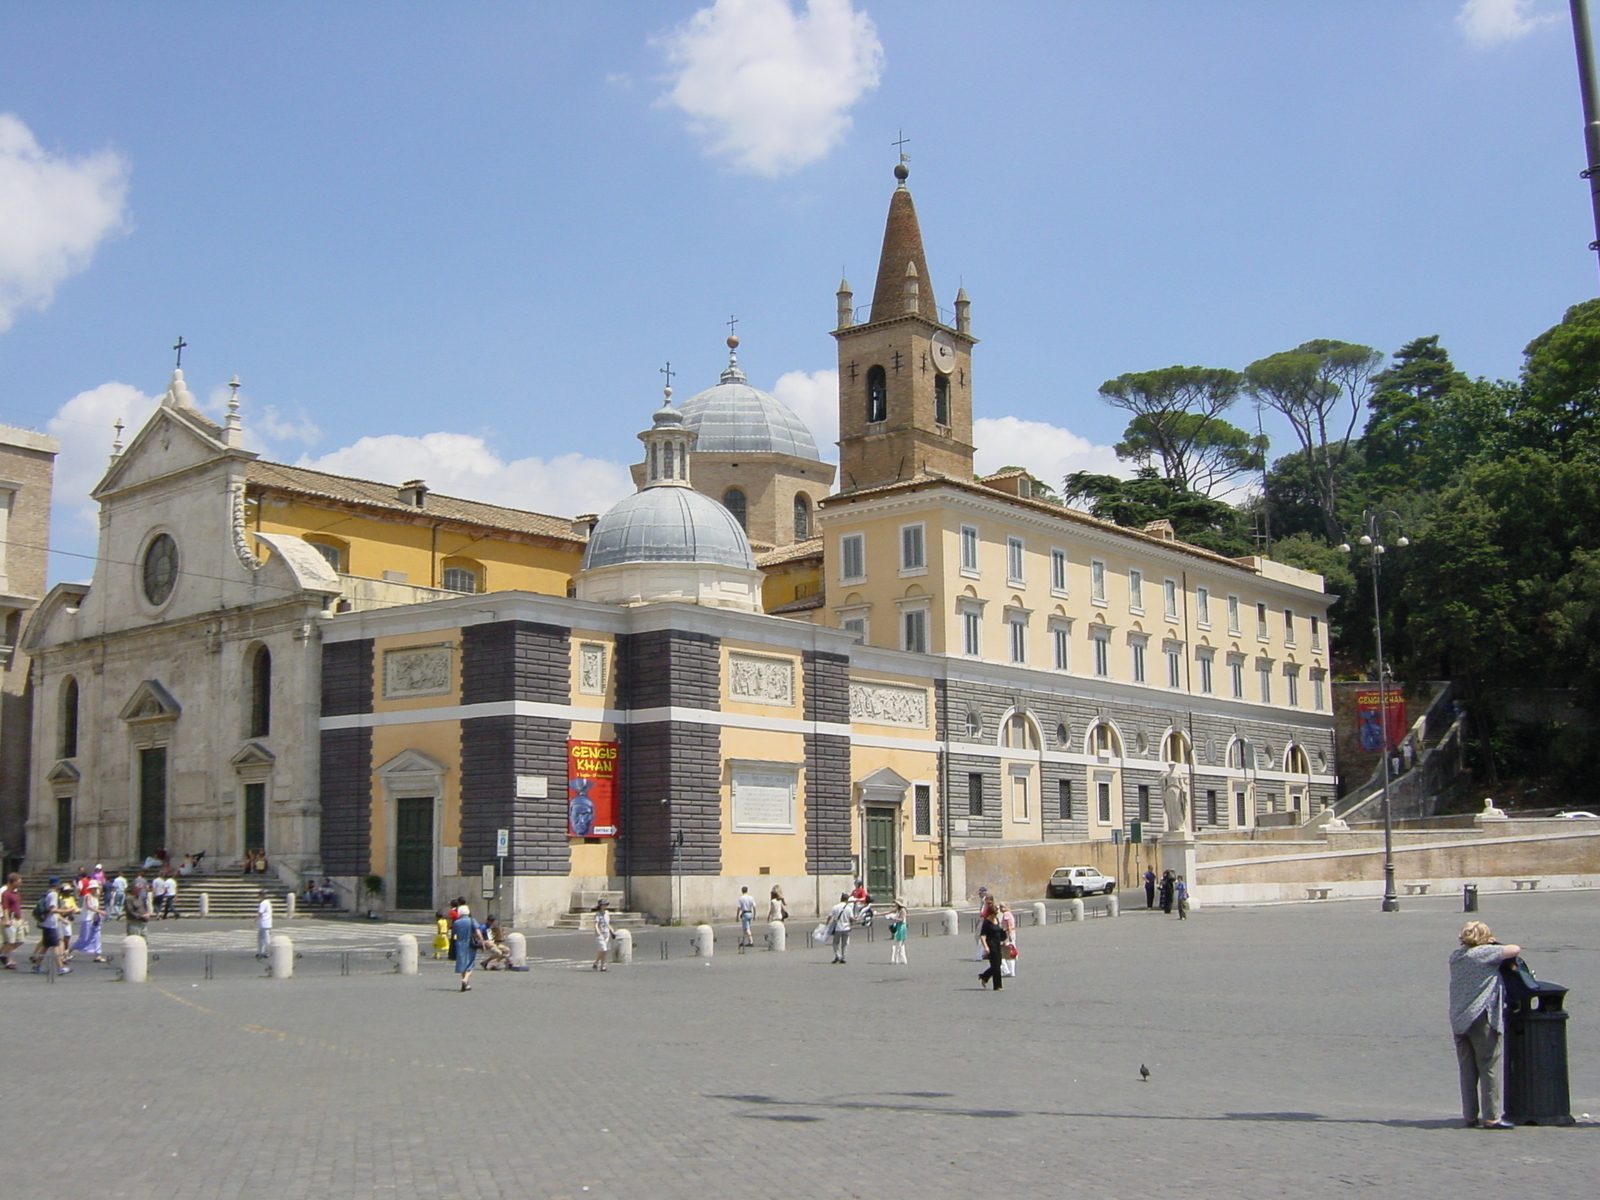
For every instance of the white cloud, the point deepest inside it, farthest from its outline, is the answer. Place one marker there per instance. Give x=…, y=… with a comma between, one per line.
x=768, y=87
x=54, y=211
x=1495, y=22
x=83, y=426
x=1048, y=452
x=814, y=396
x=461, y=464
x=265, y=425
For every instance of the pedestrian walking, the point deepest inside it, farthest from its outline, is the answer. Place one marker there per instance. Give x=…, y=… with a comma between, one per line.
x=465, y=932
x=1008, y=954
x=839, y=927
x=602, y=934
x=116, y=895
x=747, y=916
x=984, y=904
x=48, y=911
x=90, y=920
x=994, y=940
x=263, y=923
x=1180, y=889
x=1149, y=887
x=13, y=929
x=897, y=934
x=1168, y=881
x=777, y=910
x=1477, y=1019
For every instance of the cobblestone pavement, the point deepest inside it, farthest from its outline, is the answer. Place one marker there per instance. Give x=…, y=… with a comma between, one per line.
x=1295, y=1051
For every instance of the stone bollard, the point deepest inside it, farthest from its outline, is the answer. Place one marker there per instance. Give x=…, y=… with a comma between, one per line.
x=135, y=959
x=205, y=904
x=1113, y=907
x=777, y=936
x=622, y=946
x=280, y=958
x=289, y=906
x=407, y=956
x=518, y=944
x=1075, y=907
x=1040, y=915
x=949, y=922
x=705, y=940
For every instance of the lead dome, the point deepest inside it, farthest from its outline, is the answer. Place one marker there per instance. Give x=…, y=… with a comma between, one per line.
x=735, y=418
x=668, y=524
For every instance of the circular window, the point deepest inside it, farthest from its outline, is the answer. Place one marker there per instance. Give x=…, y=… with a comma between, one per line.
x=974, y=723
x=160, y=568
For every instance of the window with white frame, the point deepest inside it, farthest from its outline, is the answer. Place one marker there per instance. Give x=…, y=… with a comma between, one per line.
x=914, y=630
x=1264, y=676
x=1316, y=633
x=1288, y=627
x=1136, y=591
x=855, y=625
x=1014, y=560
x=1169, y=598
x=922, y=810
x=1061, y=644
x=1097, y=581
x=1017, y=626
x=1233, y=614
x=852, y=557
x=1205, y=660
x=1261, y=622
x=1291, y=684
x=1319, y=699
x=1202, y=607
x=972, y=631
x=1236, y=675
x=1102, y=653
x=1174, y=654
x=913, y=550
x=1136, y=652
x=969, y=549
x=1058, y=572
x=1102, y=795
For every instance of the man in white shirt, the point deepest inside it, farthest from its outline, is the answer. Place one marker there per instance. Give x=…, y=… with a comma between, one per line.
x=263, y=924
x=747, y=914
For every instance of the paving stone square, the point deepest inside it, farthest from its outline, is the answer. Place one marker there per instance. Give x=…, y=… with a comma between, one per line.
x=1294, y=1051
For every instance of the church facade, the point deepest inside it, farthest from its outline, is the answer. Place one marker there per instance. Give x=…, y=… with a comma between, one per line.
x=737, y=676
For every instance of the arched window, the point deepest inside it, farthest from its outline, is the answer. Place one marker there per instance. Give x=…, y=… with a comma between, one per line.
x=260, y=699
x=1020, y=733
x=1241, y=756
x=1295, y=762
x=1175, y=748
x=461, y=575
x=67, y=744
x=733, y=500
x=1103, y=739
x=877, y=395
x=332, y=552
x=941, y=399
x=802, y=516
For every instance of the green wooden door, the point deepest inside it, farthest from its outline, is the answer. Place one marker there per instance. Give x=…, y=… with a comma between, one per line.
x=413, y=853
x=881, y=823
x=152, y=800
x=255, y=816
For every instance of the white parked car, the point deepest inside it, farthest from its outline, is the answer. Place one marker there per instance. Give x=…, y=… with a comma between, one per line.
x=1073, y=882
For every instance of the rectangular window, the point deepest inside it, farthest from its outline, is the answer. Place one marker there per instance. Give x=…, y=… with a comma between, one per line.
x=1137, y=650
x=1019, y=641
x=1102, y=656
x=1097, y=581
x=1241, y=809
x=922, y=811
x=972, y=633
x=1064, y=799
x=1169, y=597
x=1174, y=669
x=916, y=630
x=1291, y=685
x=1233, y=614
x=852, y=556
x=1288, y=626
x=1318, y=700
x=1144, y=802
x=1236, y=677
x=1102, y=793
x=969, y=549
x=1202, y=607
x=1019, y=798
x=1058, y=572
x=1211, y=806
x=63, y=828
x=1205, y=661
x=1264, y=674
x=1316, y=633
x=913, y=556
x=1261, y=622
x=1061, y=639
x=1014, y=560
x=975, y=795
x=1136, y=591
x=855, y=625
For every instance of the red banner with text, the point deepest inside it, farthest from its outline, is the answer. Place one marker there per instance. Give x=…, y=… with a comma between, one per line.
x=592, y=789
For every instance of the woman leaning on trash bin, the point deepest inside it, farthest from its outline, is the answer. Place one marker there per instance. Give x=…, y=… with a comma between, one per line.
x=1477, y=1018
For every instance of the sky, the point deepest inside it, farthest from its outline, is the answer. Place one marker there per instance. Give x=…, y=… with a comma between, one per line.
x=459, y=242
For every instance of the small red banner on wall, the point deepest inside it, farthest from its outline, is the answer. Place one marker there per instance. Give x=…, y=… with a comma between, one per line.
x=592, y=789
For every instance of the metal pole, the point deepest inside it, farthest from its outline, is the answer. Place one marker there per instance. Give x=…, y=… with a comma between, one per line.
x=1391, y=902
x=1584, y=45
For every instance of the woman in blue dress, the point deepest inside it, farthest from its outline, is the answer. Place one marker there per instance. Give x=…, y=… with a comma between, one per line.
x=465, y=930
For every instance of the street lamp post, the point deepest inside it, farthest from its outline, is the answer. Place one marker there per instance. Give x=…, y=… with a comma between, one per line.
x=1371, y=530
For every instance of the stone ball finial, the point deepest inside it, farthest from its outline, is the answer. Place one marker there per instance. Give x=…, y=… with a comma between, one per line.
x=901, y=171
x=733, y=341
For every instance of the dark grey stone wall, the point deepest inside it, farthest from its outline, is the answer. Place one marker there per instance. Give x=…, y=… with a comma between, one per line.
x=827, y=686
x=680, y=762
x=669, y=667
x=494, y=751
x=828, y=806
x=515, y=660
x=347, y=678
x=347, y=799
x=962, y=765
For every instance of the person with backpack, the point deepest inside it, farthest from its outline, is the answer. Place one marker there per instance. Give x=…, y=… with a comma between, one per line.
x=47, y=912
x=839, y=927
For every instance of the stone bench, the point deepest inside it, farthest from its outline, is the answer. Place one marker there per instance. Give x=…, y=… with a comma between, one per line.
x=1531, y=884
x=1317, y=893
x=1417, y=889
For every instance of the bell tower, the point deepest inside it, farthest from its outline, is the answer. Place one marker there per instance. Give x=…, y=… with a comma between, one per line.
x=905, y=376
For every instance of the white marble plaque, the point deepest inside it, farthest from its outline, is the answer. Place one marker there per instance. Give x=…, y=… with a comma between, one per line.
x=885, y=704
x=416, y=671
x=763, y=801
x=592, y=669
x=533, y=787
x=761, y=680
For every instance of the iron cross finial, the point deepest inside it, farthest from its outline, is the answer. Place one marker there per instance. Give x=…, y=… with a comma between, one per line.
x=179, y=348
x=902, y=143
x=732, y=321
x=669, y=373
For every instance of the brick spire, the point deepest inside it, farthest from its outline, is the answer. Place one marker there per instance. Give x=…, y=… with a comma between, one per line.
x=902, y=245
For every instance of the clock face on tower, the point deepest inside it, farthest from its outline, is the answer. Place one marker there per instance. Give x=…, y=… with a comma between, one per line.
x=944, y=353
x=160, y=568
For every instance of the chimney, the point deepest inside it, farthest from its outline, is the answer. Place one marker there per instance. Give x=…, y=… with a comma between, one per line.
x=414, y=492
x=583, y=526
x=1162, y=529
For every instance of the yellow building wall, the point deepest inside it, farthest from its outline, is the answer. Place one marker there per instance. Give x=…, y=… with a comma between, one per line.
x=787, y=583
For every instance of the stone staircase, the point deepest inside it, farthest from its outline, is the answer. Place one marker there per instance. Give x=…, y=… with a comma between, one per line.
x=232, y=893
x=581, y=914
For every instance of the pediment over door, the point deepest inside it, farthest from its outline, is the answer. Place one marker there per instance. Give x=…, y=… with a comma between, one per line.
x=151, y=702
x=883, y=786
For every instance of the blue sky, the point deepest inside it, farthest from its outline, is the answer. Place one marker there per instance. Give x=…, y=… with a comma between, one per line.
x=459, y=241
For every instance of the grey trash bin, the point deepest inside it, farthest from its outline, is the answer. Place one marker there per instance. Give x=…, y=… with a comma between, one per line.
x=1469, y=898
x=1537, y=1091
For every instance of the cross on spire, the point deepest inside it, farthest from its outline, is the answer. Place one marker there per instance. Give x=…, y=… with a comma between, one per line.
x=669, y=373
x=901, y=144
x=179, y=348
x=732, y=321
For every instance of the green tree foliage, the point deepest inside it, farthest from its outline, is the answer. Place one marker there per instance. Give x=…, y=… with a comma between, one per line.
x=1199, y=454
x=1561, y=382
x=1405, y=404
x=1174, y=410
x=1292, y=502
x=1148, y=496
